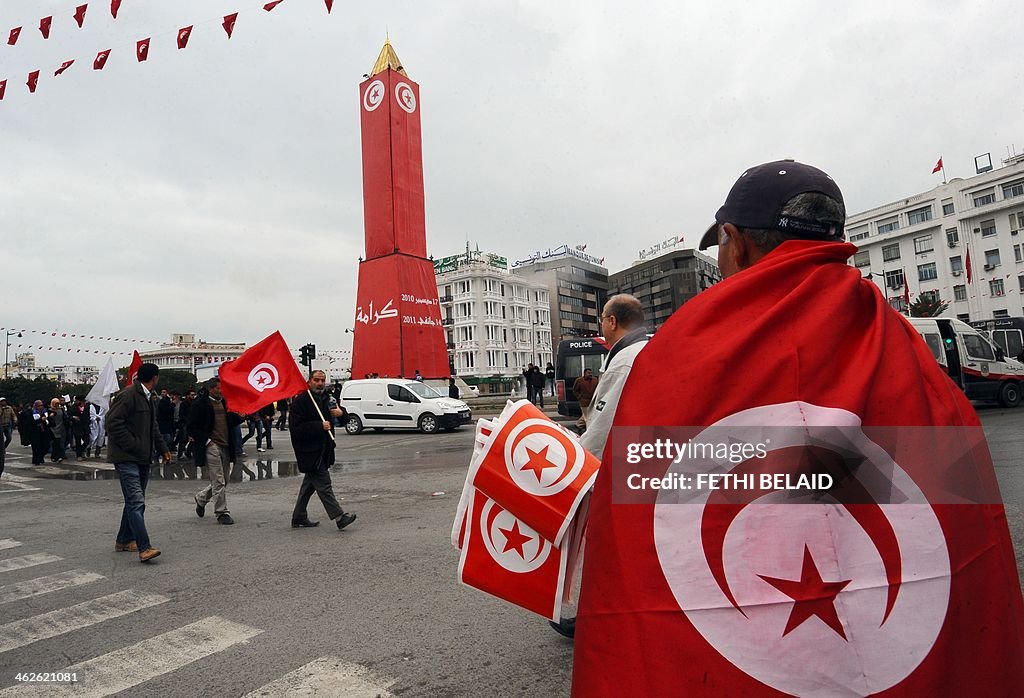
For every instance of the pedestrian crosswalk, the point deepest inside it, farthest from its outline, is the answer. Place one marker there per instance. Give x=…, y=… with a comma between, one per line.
x=46, y=585
x=153, y=657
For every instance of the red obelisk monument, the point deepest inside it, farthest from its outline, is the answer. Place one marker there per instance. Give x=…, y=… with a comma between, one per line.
x=398, y=319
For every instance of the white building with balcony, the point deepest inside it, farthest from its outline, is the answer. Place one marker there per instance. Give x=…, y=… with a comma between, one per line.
x=185, y=353
x=495, y=323
x=960, y=242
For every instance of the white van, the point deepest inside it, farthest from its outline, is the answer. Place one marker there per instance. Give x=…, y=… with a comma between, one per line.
x=396, y=403
x=972, y=360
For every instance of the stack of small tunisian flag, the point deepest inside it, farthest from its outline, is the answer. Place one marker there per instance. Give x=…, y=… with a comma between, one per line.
x=520, y=521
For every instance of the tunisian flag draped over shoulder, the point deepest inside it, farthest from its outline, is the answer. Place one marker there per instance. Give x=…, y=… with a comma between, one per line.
x=711, y=597
x=265, y=372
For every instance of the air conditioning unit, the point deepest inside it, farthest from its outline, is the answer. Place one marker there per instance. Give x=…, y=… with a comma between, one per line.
x=990, y=267
x=956, y=273
x=977, y=230
x=1014, y=232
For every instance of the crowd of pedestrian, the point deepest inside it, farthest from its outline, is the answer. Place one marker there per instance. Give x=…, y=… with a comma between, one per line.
x=54, y=430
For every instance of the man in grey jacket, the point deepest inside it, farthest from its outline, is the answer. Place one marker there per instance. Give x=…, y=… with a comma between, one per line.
x=622, y=325
x=133, y=439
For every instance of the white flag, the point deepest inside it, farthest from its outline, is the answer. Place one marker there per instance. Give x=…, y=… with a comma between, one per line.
x=106, y=385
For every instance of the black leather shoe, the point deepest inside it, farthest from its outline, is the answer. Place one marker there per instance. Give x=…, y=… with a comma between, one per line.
x=566, y=628
x=200, y=509
x=305, y=524
x=344, y=520
x=225, y=519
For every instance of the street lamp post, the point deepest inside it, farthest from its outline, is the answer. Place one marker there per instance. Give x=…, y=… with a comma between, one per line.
x=7, y=350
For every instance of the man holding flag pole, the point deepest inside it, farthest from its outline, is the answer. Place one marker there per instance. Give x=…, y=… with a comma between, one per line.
x=266, y=372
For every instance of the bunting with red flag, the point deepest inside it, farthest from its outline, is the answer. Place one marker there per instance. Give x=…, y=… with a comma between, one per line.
x=183, y=34
x=12, y=39
x=115, y=5
x=265, y=372
x=100, y=60
x=80, y=15
x=3, y=88
x=271, y=5
x=63, y=66
x=693, y=591
x=142, y=49
x=229, y=23
x=44, y=26
x=330, y=5
x=33, y=80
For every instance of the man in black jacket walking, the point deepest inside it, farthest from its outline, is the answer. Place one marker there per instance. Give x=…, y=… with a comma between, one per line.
x=313, y=441
x=133, y=439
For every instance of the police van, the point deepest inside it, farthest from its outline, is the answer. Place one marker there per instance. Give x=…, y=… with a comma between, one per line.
x=975, y=362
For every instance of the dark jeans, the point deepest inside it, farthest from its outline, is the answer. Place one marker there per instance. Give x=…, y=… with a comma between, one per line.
x=263, y=430
x=134, y=478
x=8, y=434
x=319, y=482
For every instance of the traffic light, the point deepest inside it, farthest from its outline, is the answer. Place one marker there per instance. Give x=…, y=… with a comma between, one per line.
x=304, y=354
x=311, y=350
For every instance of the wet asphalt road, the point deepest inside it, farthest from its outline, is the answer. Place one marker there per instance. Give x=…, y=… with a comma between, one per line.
x=378, y=601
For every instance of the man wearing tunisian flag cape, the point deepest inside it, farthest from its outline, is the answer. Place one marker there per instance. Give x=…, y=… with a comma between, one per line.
x=696, y=593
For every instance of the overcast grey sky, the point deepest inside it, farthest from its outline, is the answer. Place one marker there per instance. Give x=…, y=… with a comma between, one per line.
x=217, y=190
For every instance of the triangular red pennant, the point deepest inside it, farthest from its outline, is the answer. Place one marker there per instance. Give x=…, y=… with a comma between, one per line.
x=115, y=5
x=183, y=34
x=229, y=23
x=271, y=5
x=13, y=38
x=33, y=80
x=80, y=14
x=44, y=26
x=330, y=4
x=100, y=60
x=63, y=66
x=3, y=88
x=142, y=49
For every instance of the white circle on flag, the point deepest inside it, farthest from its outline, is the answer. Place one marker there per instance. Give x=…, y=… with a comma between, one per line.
x=405, y=97
x=542, y=459
x=885, y=638
x=263, y=377
x=374, y=95
x=511, y=543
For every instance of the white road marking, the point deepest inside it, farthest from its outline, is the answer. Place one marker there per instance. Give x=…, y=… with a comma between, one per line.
x=20, y=563
x=327, y=676
x=45, y=585
x=6, y=543
x=19, y=483
x=128, y=667
x=65, y=620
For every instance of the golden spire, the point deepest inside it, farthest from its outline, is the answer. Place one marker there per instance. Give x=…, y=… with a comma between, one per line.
x=387, y=59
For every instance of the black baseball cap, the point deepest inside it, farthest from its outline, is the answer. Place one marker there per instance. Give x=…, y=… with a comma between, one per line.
x=757, y=198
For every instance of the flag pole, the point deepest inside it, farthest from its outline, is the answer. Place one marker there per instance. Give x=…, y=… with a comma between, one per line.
x=944, y=174
x=320, y=412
